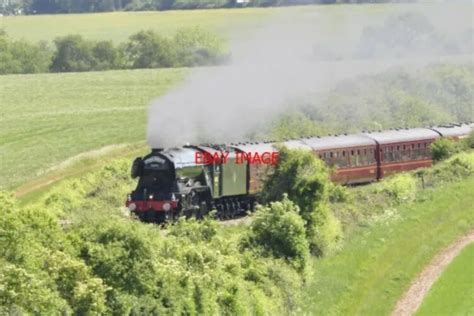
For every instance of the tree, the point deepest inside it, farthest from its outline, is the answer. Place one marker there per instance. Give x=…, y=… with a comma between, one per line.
x=305, y=179
x=19, y=56
x=280, y=231
x=73, y=53
x=194, y=46
x=147, y=49
x=106, y=56
x=442, y=148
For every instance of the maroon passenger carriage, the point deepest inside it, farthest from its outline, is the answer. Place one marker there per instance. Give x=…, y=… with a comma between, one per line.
x=366, y=157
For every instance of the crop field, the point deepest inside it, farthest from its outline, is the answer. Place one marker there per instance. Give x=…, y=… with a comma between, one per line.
x=48, y=118
x=378, y=262
x=117, y=26
x=453, y=292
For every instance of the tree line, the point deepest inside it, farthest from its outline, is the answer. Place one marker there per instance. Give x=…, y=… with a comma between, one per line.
x=13, y=7
x=145, y=49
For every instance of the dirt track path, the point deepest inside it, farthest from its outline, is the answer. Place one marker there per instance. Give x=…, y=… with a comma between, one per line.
x=413, y=298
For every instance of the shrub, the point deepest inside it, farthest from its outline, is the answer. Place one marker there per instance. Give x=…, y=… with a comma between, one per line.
x=147, y=49
x=306, y=181
x=279, y=231
x=401, y=187
x=196, y=47
x=442, y=148
x=73, y=53
x=106, y=56
x=23, y=292
x=469, y=140
x=20, y=57
x=457, y=167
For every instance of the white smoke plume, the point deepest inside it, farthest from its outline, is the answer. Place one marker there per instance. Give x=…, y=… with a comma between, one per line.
x=301, y=52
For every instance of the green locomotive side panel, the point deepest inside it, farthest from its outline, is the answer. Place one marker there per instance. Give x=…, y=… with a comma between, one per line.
x=234, y=178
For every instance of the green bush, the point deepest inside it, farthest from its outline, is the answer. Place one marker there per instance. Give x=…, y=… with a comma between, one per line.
x=469, y=140
x=455, y=168
x=279, y=231
x=306, y=181
x=195, y=47
x=147, y=49
x=73, y=53
x=442, y=148
x=399, y=188
x=20, y=57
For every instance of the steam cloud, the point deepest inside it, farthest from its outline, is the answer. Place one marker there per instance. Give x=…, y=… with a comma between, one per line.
x=298, y=53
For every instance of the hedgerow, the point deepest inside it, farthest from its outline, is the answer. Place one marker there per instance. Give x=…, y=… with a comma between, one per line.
x=189, y=47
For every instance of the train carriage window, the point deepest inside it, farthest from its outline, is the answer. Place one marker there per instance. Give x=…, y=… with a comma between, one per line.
x=352, y=152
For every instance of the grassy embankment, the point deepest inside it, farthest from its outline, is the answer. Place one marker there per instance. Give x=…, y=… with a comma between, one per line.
x=380, y=259
x=453, y=292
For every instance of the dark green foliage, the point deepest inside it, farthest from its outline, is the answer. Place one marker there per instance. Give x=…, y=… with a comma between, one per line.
x=145, y=49
x=279, y=231
x=73, y=53
x=468, y=142
x=18, y=57
x=305, y=179
x=40, y=273
x=442, y=148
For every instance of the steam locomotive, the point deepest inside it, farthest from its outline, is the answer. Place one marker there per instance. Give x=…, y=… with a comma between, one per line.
x=192, y=180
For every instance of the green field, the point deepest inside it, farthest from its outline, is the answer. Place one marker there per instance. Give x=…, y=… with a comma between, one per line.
x=49, y=118
x=378, y=262
x=453, y=292
x=117, y=26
